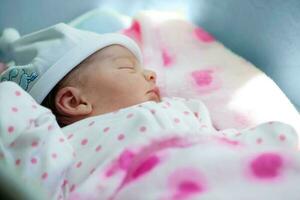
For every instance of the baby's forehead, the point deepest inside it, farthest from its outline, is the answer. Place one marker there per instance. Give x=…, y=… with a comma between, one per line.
x=113, y=52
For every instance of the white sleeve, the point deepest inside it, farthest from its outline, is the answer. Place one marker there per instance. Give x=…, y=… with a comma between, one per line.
x=31, y=142
x=200, y=111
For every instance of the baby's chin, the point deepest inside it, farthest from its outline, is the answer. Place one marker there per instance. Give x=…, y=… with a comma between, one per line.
x=157, y=99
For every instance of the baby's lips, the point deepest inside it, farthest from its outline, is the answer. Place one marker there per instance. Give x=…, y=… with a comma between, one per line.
x=156, y=90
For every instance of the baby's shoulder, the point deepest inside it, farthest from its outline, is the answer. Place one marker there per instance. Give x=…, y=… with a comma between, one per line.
x=167, y=99
x=182, y=100
x=191, y=103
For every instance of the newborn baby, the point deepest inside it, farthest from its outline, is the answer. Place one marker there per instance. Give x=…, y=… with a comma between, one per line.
x=110, y=79
x=119, y=134
x=79, y=74
x=86, y=80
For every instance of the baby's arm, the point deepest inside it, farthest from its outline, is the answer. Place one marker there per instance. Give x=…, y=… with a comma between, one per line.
x=200, y=111
x=31, y=142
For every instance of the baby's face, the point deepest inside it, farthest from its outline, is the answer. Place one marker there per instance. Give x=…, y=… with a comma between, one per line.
x=115, y=79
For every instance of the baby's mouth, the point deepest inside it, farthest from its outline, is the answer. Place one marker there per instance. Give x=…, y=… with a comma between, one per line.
x=156, y=92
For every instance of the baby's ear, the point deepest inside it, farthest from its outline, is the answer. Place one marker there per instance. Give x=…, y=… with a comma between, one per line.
x=71, y=102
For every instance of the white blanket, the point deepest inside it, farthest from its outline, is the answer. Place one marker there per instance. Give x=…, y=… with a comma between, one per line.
x=167, y=151
x=236, y=93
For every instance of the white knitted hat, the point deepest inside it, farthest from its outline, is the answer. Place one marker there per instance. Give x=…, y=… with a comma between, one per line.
x=43, y=58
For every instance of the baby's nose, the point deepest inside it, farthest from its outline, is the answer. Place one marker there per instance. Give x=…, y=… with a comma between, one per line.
x=150, y=75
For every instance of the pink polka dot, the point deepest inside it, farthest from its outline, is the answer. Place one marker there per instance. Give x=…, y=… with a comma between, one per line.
x=34, y=106
x=65, y=183
x=84, y=141
x=14, y=109
x=168, y=60
x=186, y=182
x=10, y=129
x=61, y=140
x=125, y=160
x=186, y=112
x=50, y=127
x=106, y=129
x=98, y=148
x=91, y=123
x=176, y=120
x=33, y=160
x=121, y=136
x=282, y=137
x=70, y=136
x=129, y=116
x=17, y=93
x=202, y=35
x=152, y=111
x=18, y=162
x=188, y=186
x=79, y=164
x=134, y=31
x=72, y=188
x=206, y=80
x=145, y=166
x=202, y=77
x=258, y=141
x=143, y=129
x=54, y=155
x=266, y=166
x=34, y=144
x=44, y=175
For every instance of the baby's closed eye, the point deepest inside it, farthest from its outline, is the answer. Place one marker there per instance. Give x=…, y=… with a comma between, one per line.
x=129, y=69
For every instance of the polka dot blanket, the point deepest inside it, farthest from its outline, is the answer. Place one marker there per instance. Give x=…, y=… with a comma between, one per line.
x=191, y=63
x=167, y=150
x=215, y=135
